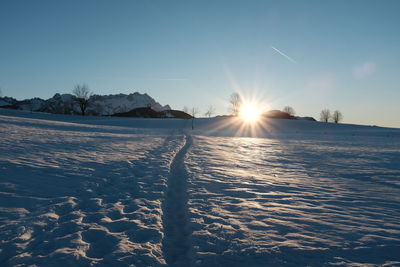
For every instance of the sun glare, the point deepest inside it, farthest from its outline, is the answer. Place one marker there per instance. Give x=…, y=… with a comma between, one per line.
x=250, y=113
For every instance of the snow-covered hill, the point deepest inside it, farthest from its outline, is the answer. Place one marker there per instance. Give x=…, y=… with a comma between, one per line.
x=98, y=104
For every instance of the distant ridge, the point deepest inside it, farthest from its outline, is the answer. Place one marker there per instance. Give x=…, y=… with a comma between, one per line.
x=277, y=114
x=148, y=112
x=103, y=105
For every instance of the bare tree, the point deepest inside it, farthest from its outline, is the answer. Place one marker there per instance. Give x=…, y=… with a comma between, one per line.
x=337, y=116
x=235, y=103
x=194, y=112
x=289, y=110
x=82, y=96
x=325, y=115
x=210, y=111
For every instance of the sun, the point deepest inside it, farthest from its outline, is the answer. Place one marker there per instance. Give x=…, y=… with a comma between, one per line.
x=249, y=112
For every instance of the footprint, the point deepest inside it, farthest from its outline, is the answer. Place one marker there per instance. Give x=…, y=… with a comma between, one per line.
x=144, y=235
x=120, y=226
x=101, y=243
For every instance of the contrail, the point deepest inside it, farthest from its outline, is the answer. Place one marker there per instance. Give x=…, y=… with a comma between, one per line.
x=171, y=79
x=283, y=54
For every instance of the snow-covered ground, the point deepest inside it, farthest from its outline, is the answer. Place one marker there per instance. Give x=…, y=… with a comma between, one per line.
x=256, y=201
x=148, y=192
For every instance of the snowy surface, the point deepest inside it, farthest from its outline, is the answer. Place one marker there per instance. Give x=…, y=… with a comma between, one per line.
x=117, y=191
x=258, y=201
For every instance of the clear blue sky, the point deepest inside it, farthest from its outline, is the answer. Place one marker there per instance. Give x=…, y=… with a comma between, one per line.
x=307, y=54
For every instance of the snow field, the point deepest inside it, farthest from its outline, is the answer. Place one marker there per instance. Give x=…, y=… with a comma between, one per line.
x=114, y=191
x=264, y=202
x=73, y=195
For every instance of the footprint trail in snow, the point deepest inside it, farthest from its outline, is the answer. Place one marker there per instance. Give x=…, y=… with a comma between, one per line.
x=176, y=246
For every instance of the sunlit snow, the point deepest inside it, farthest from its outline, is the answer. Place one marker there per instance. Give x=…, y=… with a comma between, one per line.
x=118, y=191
